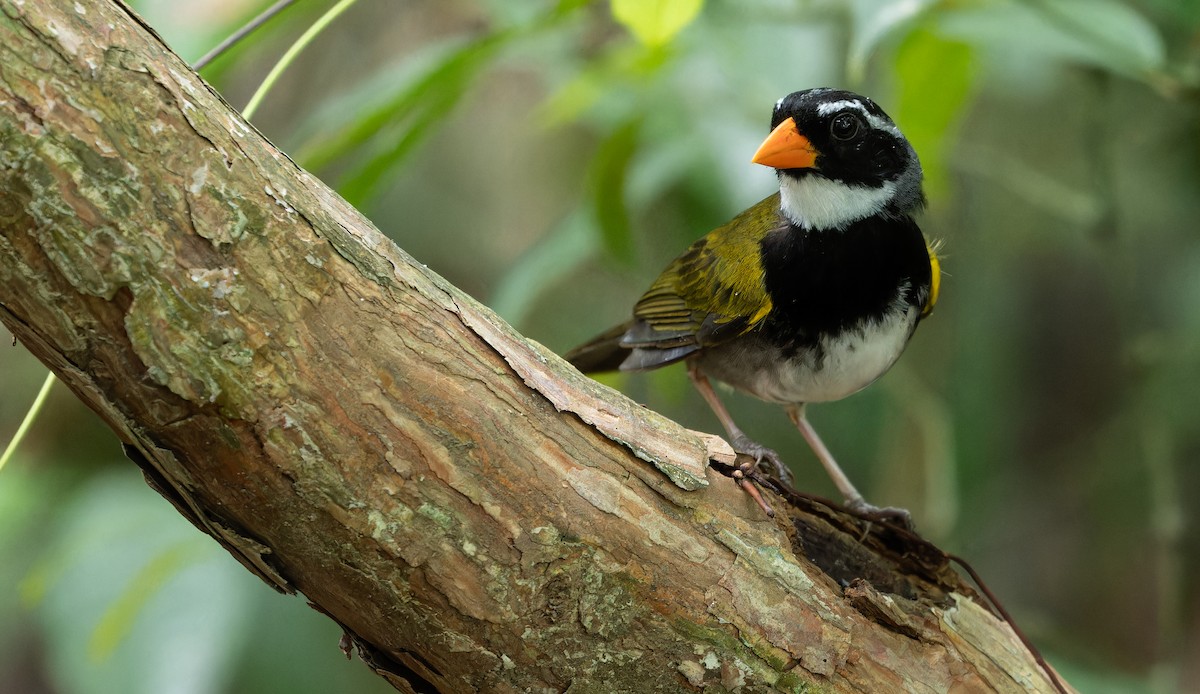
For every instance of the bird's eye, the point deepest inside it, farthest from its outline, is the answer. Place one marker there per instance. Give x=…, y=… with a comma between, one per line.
x=845, y=126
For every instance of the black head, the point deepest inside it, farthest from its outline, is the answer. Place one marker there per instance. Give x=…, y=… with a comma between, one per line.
x=843, y=137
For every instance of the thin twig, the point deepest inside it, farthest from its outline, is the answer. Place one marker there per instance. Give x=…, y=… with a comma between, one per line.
x=290, y=56
x=28, y=421
x=1037, y=655
x=242, y=33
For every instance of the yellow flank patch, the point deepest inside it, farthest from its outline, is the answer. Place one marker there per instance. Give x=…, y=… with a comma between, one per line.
x=935, y=277
x=762, y=313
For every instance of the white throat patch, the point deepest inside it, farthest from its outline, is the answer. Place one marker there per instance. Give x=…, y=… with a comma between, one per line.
x=816, y=202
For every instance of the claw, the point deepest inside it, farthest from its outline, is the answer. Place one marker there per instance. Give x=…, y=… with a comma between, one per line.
x=748, y=486
x=886, y=514
x=744, y=445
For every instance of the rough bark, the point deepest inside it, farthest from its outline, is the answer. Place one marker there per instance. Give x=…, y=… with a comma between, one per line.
x=473, y=512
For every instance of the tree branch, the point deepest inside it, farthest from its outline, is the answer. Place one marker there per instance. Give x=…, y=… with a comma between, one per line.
x=475, y=514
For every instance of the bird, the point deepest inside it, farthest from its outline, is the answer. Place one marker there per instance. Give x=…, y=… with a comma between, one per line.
x=809, y=295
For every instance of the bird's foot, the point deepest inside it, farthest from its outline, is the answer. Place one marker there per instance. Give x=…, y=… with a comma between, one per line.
x=762, y=457
x=745, y=480
x=884, y=514
x=753, y=458
x=750, y=456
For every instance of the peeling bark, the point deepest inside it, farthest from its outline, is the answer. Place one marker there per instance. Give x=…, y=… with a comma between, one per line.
x=473, y=512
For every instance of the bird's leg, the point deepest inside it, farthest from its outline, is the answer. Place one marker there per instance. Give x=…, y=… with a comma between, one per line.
x=854, y=500
x=737, y=438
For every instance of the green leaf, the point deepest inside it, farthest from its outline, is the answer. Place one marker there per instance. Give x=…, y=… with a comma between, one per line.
x=1104, y=33
x=394, y=128
x=397, y=107
x=362, y=182
x=573, y=98
x=608, y=88
x=656, y=22
x=935, y=81
x=610, y=169
x=551, y=260
x=136, y=598
x=872, y=22
x=436, y=89
x=117, y=622
x=1109, y=26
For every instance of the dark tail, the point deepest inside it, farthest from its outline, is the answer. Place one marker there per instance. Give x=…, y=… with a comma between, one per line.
x=601, y=353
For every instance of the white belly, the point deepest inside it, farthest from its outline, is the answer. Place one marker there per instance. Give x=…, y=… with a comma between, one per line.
x=843, y=365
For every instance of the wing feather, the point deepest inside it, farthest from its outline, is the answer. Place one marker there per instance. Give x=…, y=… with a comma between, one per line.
x=713, y=292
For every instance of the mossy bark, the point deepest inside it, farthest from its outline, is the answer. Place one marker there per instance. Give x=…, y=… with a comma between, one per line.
x=473, y=512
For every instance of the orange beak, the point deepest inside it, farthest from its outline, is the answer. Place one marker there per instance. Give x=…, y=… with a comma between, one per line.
x=786, y=148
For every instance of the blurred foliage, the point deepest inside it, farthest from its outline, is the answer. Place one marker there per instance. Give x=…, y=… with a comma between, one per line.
x=550, y=157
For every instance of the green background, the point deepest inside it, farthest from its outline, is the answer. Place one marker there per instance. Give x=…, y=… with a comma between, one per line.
x=549, y=158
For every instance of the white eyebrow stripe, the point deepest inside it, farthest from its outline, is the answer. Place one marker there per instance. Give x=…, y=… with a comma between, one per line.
x=881, y=124
x=831, y=106
x=875, y=121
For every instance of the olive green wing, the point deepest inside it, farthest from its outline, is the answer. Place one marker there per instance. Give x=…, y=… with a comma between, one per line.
x=711, y=293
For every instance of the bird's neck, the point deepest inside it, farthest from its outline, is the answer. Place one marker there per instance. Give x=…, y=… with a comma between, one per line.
x=816, y=202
